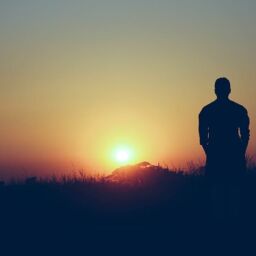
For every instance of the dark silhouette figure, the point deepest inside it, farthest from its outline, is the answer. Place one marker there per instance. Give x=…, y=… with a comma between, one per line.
x=224, y=136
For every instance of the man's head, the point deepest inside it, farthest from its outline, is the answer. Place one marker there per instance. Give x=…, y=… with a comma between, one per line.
x=222, y=88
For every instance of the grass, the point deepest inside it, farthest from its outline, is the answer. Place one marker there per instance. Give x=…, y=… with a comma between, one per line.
x=169, y=204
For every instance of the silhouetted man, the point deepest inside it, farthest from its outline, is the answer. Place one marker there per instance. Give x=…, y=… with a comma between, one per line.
x=224, y=136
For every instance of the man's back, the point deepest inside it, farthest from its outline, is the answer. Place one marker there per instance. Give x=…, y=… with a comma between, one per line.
x=224, y=133
x=223, y=123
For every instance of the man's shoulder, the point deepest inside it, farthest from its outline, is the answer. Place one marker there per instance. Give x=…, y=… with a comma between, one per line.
x=208, y=107
x=238, y=106
x=215, y=104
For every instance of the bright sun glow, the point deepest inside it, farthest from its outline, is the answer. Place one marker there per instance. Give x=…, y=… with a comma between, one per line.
x=123, y=155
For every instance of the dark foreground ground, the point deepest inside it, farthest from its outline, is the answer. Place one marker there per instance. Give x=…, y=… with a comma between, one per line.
x=172, y=214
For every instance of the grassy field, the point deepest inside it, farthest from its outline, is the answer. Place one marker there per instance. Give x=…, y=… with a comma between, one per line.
x=139, y=205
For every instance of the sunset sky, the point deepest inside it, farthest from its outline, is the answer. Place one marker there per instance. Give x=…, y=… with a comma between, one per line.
x=80, y=79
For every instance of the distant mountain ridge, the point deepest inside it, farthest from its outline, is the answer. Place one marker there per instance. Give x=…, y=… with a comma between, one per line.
x=143, y=172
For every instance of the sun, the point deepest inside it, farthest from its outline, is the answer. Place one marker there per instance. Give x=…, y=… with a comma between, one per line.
x=123, y=155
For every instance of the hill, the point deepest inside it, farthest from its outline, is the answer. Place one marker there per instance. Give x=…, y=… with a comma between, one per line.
x=141, y=173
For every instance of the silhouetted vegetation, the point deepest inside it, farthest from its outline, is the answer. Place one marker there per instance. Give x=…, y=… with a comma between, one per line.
x=143, y=200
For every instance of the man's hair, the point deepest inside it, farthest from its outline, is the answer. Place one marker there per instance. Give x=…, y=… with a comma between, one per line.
x=222, y=87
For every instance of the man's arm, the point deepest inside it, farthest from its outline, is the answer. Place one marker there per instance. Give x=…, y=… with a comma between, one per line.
x=245, y=130
x=203, y=130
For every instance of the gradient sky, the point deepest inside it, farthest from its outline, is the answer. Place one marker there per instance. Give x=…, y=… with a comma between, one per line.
x=79, y=78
